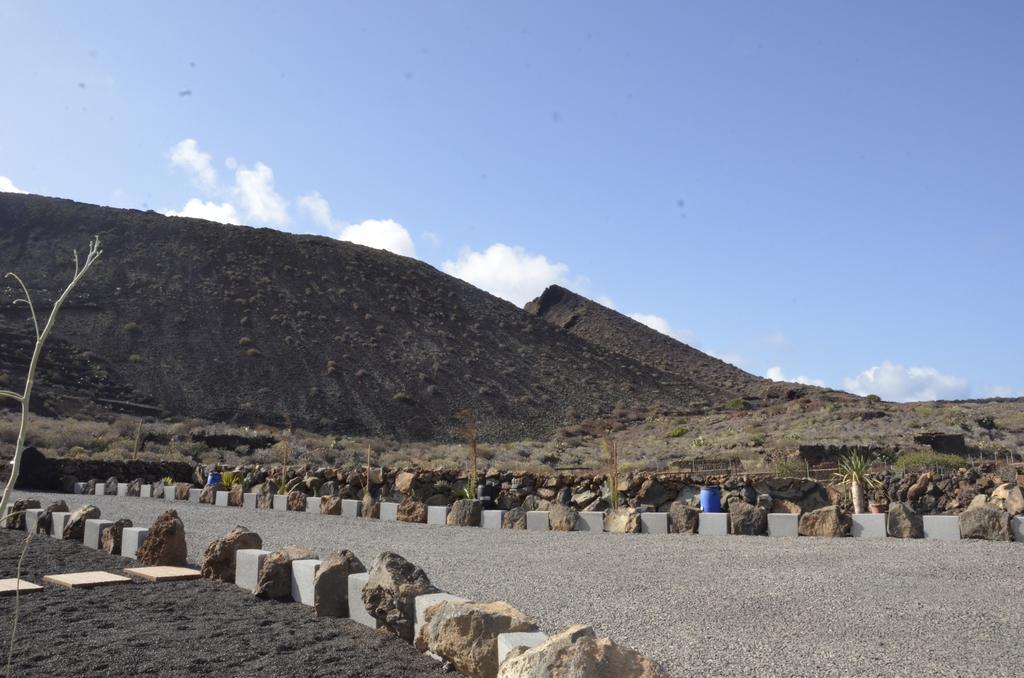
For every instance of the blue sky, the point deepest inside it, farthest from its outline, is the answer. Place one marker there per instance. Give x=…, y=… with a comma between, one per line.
x=830, y=191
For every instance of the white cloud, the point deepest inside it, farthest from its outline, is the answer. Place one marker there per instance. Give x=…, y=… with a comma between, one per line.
x=384, y=234
x=656, y=322
x=186, y=154
x=775, y=374
x=508, y=272
x=254, y=191
x=224, y=212
x=999, y=391
x=317, y=207
x=905, y=384
x=7, y=186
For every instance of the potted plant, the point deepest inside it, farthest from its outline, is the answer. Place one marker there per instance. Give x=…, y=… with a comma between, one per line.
x=879, y=500
x=853, y=471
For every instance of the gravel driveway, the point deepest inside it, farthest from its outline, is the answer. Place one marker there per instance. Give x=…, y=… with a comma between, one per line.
x=699, y=605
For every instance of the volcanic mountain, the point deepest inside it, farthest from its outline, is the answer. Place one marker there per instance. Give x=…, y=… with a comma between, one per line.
x=185, y=317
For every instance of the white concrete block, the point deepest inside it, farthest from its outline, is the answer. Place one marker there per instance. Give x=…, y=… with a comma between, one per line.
x=946, y=528
x=653, y=523
x=868, y=525
x=783, y=524
x=194, y=493
x=122, y=489
x=351, y=508
x=423, y=603
x=249, y=500
x=312, y=504
x=79, y=488
x=510, y=641
x=145, y=491
x=713, y=524
x=1017, y=527
x=248, y=563
x=537, y=521
x=222, y=498
x=303, y=574
x=93, y=530
x=590, y=521
x=32, y=519
x=99, y=489
x=437, y=515
x=170, y=492
x=60, y=519
x=491, y=519
x=356, y=610
x=388, y=510
x=131, y=540
x=280, y=502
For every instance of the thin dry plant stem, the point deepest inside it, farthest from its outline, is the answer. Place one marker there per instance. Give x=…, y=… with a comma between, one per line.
x=17, y=606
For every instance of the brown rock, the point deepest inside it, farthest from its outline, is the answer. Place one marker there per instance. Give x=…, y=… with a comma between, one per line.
x=265, y=495
x=825, y=522
x=181, y=491
x=330, y=586
x=135, y=488
x=275, y=580
x=330, y=506
x=622, y=521
x=296, y=501
x=985, y=522
x=747, y=519
x=578, y=653
x=412, y=511
x=110, y=537
x=45, y=522
x=465, y=513
x=110, y=487
x=165, y=543
x=562, y=518
x=15, y=518
x=219, y=559
x=514, y=519
x=369, y=508
x=209, y=495
x=466, y=634
x=236, y=495
x=903, y=522
x=784, y=506
x=918, y=489
x=391, y=590
x=1014, y=503
x=404, y=482
x=75, y=527
x=683, y=518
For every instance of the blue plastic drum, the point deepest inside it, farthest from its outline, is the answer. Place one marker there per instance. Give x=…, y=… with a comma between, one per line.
x=213, y=478
x=711, y=499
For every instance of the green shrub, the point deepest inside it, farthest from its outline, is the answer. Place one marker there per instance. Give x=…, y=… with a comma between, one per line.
x=919, y=459
x=872, y=398
x=678, y=432
x=739, y=404
x=168, y=480
x=253, y=353
x=790, y=468
x=758, y=439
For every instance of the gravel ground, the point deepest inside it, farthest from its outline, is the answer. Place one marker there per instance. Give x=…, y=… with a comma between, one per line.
x=699, y=605
x=193, y=628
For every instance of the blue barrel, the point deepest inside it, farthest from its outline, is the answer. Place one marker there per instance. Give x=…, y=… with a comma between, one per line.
x=213, y=478
x=711, y=499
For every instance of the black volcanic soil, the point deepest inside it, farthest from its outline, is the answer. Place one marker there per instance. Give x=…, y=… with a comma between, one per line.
x=193, y=628
x=235, y=324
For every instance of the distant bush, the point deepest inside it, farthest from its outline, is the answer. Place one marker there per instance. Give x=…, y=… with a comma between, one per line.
x=919, y=459
x=132, y=328
x=134, y=358
x=678, y=432
x=253, y=353
x=739, y=404
x=872, y=398
x=244, y=341
x=758, y=439
x=987, y=422
x=790, y=468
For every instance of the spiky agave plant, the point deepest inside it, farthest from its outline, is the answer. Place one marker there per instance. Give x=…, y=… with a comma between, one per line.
x=853, y=471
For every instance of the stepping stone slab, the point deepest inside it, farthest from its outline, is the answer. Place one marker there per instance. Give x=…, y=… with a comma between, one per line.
x=249, y=500
x=351, y=508
x=280, y=502
x=145, y=491
x=303, y=576
x=122, y=489
x=93, y=531
x=510, y=641
x=356, y=610
x=945, y=528
x=131, y=540
x=713, y=524
x=10, y=587
x=786, y=525
x=590, y=521
x=248, y=563
x=537, y=521
x=425, y=602
x=59, y=520
x=222, y=498
x=491, y=519
x=32, y=519
x=654, y=523
x=85, y=580
x=437, y=515
x=389, y=510
x=163, y=573
x=868, y=525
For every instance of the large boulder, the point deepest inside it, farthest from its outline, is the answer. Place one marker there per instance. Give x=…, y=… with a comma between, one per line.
x=110, y=537
x=275, y=579
x=514, y=519
x=747, y=519
x=404, y=482
x=209, y=494
x=653, y=493
x=829, y=521
x=37, y=472
x=135, y=487
x=903, y=522
x=15, y=518
x=296, y=500
x=219, y=559
x=165, y=543
x=466, y=634
x=265, y=494
x=391, y=590
x=412, y=511
x=89, y=489
x=465, y=513
x=920, y=486
x=181, y=491
x=985, y=522
x=622, y=521
x=330, y=586
x=74, y=530
x=110, y=487
x=563, y=518
x=683, y=518
x=1014, y=503
x=236, y=495
x=370, y=507
x=45, y=522
x=577, y=652
x=330, y=506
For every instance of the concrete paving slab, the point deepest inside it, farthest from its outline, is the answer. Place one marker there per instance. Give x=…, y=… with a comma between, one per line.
x=1017, y=528
x=122, y=489
x=10, y=587
x=85, y=580
x=193, y=494
x=159, y=573
x=249, y=500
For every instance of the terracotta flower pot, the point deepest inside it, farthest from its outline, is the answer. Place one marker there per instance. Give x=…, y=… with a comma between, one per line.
x=875, y=507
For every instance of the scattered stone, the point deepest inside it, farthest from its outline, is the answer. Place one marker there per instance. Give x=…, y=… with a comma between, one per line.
x=165, y=543
x=584, y=498
x=825, y=522
x=390, y=593
x=683, y=518
x=622, y=521
x=465, y=513
x=514, y=519
x=903, y=522
x=296, y=500
x=110, y=487
x=330, y=506
x=75, y=527
x=563, y=518
x=985, y=523
x=15, y=519
x=577, y=652
x=110, y=536
x=135, y=487
x=275, y=580
x=746, y=519
x=466, y=634
x=412, y=511
x=219, y=559
x=330, y=586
